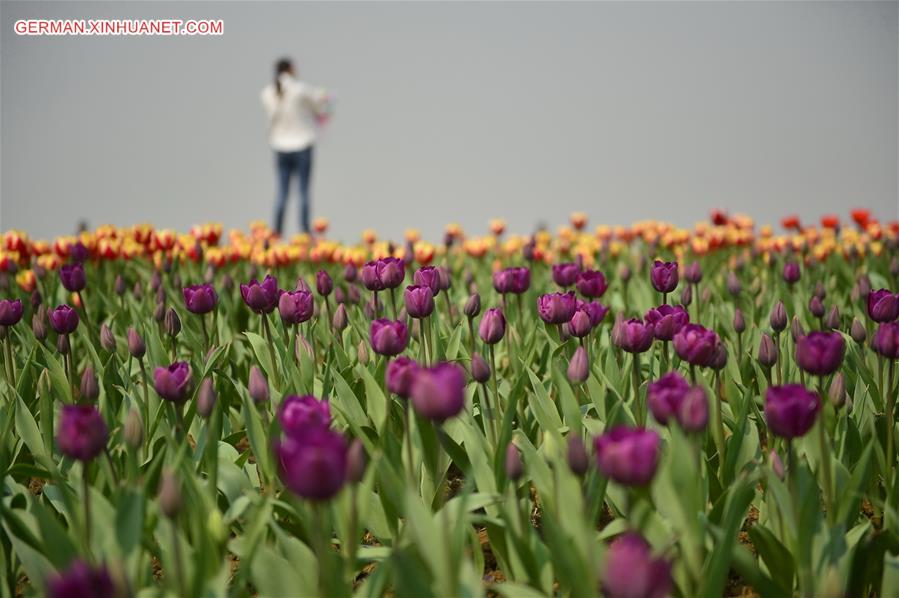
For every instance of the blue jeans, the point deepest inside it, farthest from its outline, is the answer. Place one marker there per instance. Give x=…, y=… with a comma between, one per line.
x=288, y=164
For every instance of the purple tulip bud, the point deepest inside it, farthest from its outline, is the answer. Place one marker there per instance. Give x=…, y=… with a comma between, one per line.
x=262, y=297
x=480, y=371
x=133, y=431
x=206, y=398
x=444, y=278
x=665, y=395
x=340, y=320
x=796, y=330
x=816, y=307
x=565, y=275
x=739, y=321
x=472, y=306
x=883, y=306
x=591, y=283
x=200, y=298
x=857, y=331
x=323, y=283
x=82, y=433
x=350, y=273
x=634, y=336
x=172, y=323
x=778, y=317
x=864, y=285
x=36, y=299
x=302, y=285
x=580, y=324
x=820, y=291
x=361, y=353
x=64, y=319
x=777, y=466
x=80, y=579
x=138, y=290
x=258, y=386
x=820, y=353
x=557, y=308
x=512, y=280
x=295, y=307
x=136, y=345
x=832, y=320
x=297, y=415
x=173, y=383
x=667, y=320
x=62, y=344
x=155, y=281
x=438, y=393
x=791, y=272
x=72, y=277
x=696, y=344
x=628, y=456
x=355, y=462
x=38, y=327
x=370, y=277
x=693, y=273
x=631, y=571
x=391, y=272
x=107, y=339
x=886, y=340
x=90, y=387
x=428, y=277
x=399, y=375
x=706, y=295
x=791, y=410
x=733, y=284
x=664, y=276
x=388, y=337
x=578, y=461
x=159, y=312
x=514, y=465
x=493, y=326
x=170, y=497
x=686, y=296
x=596, y=310
x=693, y=413
x=719, y=358
x=578, y=368
x=419, y=300
x=767, y=354
x=624, y=273
x=837, y=391
x=314, y=466
x=10, y=312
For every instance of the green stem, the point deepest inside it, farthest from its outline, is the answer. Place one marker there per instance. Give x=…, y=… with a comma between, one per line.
x=407, y=423
x=271, y=350
x=635, y=378
x=891, y=448
x=179, y=564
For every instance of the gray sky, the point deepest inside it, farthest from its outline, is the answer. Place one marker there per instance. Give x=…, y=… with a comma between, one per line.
x=457, y=112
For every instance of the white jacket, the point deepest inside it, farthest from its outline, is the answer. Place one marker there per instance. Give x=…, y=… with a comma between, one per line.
x=293, y=115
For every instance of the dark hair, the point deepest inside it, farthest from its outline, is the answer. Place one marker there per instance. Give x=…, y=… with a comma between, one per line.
x=283, y=65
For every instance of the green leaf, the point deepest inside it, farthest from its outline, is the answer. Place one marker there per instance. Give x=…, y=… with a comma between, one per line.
x=57, y=376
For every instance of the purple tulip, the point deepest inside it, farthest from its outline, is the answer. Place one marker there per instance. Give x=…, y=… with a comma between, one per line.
x=767, y=354
x=493, y=326
x=664, y=276
x=257, y=386
x=578, y=367
x=628, y=456
x=173, y=383
x=512, y=280
x=557, y=308
x=297, y=415
x=350, y=273
x=816, y=306
x=883, y=306
x=778, y=318
x=693, y=413
x=323, y=283
x=667, y=320
x=82, y=433
x=634, y=336
x=388, y=337
x=428, y=276
x=72, y=277
x=693, y=273
x=480, y=371
x=200, y=298
x=370, y=277
x=514, y=465
x=591, y=283
x=696, y=344
x=820, y=353
x=10, y=312
x=886, y=340
x=391, y=272
x=438, y=393
x=666, y=395
x=296, y=307
x=262, y=297
x=596, y=310
x=64, y=319
x=791, y=272
x=81, y=580
x=419, y=301
x=399, y=375
x=136, y=345
x=580, y=324
x=472, y=306
x=632, y=572
x=791, y=410
x=314, y=466
x=566, y=274
x=578, y=460
x=444, y=279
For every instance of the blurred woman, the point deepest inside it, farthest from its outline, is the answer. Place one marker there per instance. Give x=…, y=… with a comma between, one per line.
x=295, y=111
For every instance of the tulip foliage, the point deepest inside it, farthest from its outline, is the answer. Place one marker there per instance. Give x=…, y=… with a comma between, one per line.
x=633, y=412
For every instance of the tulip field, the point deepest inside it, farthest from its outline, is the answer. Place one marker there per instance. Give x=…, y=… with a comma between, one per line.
x=638, y=411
